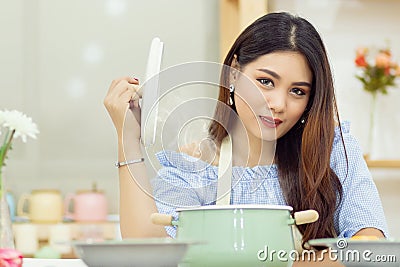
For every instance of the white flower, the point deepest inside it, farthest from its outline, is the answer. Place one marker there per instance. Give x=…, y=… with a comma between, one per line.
x=16, y=120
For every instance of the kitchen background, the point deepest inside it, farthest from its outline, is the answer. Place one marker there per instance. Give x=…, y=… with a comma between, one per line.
x=59, y=57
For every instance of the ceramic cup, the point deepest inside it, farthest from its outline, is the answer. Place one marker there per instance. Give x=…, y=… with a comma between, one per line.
x=11, y=205
x=41, y=206
x=86, y=206
x=60, y=236
x=26, y=238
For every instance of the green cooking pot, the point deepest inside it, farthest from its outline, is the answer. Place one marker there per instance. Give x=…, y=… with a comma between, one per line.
x=237, y=235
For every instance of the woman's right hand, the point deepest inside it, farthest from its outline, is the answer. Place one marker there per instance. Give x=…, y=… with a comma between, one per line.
x=135, y=205
x=122, y=104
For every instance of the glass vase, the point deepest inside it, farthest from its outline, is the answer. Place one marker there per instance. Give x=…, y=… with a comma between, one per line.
x=6, y=233
x=371, y=130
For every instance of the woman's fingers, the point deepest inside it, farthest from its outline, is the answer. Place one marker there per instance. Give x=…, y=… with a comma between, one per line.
x=121, y=92
x=136, y=92
x=125, y=78
x=124, y=93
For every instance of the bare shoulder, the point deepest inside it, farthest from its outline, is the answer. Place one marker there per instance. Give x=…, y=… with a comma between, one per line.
x=205, y=150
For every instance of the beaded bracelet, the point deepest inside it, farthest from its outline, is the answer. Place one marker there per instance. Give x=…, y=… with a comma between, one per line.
x=123, y=163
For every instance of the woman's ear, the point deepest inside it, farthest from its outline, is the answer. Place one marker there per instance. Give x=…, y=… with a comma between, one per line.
x=235, y=68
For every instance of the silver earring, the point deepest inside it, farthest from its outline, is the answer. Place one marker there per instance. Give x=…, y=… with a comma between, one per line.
x=303, y=120
x=231, y=93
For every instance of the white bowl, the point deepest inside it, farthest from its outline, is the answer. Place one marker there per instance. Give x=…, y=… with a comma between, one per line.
x=154, y=252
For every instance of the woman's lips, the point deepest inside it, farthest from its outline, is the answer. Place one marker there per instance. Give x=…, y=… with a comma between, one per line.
x=270, y=122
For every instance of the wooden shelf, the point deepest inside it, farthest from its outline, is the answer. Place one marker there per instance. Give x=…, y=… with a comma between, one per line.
x=383, y=163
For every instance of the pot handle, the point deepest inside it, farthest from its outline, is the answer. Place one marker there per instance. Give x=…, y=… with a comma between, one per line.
x=163, y=219
x=305, y=216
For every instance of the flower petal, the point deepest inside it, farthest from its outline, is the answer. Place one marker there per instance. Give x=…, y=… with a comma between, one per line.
x=22, y=124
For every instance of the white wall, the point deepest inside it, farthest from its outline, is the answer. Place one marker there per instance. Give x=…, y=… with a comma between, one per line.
x=345, y=25
x=58, y=59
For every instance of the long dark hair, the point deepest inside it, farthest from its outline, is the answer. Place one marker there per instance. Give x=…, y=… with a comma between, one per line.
x=303, y=154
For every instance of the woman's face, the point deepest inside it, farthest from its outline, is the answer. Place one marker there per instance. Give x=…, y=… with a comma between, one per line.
x=271, y=93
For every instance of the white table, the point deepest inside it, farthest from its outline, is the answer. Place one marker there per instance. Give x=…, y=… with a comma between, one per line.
x=30, y=262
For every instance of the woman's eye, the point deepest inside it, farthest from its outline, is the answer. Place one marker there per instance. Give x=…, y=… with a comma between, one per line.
x=298, y=91
x=266, y=82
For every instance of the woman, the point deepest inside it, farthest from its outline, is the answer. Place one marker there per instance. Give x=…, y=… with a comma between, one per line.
x=317, y=164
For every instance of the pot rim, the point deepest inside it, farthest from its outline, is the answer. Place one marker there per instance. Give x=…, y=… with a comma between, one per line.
x=239, y=206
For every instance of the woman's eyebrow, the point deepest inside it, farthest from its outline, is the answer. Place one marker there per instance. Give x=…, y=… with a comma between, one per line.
x=276, y=76
x=302, y=84
x=272, y=73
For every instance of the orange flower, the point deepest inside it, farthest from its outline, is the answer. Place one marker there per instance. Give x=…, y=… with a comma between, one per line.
x=361, y=51
x=379, y=75
x=360, y=61
x=387, y=52
x=382, y=60
x=387, y=71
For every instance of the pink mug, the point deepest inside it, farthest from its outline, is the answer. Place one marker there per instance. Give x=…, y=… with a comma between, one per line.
x=87, y=206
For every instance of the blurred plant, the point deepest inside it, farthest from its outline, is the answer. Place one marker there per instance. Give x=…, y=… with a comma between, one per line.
x=380, y=75
x=376, y=77
x=16, y=124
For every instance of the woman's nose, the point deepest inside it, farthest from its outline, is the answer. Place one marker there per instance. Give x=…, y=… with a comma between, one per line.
x=276, y=101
